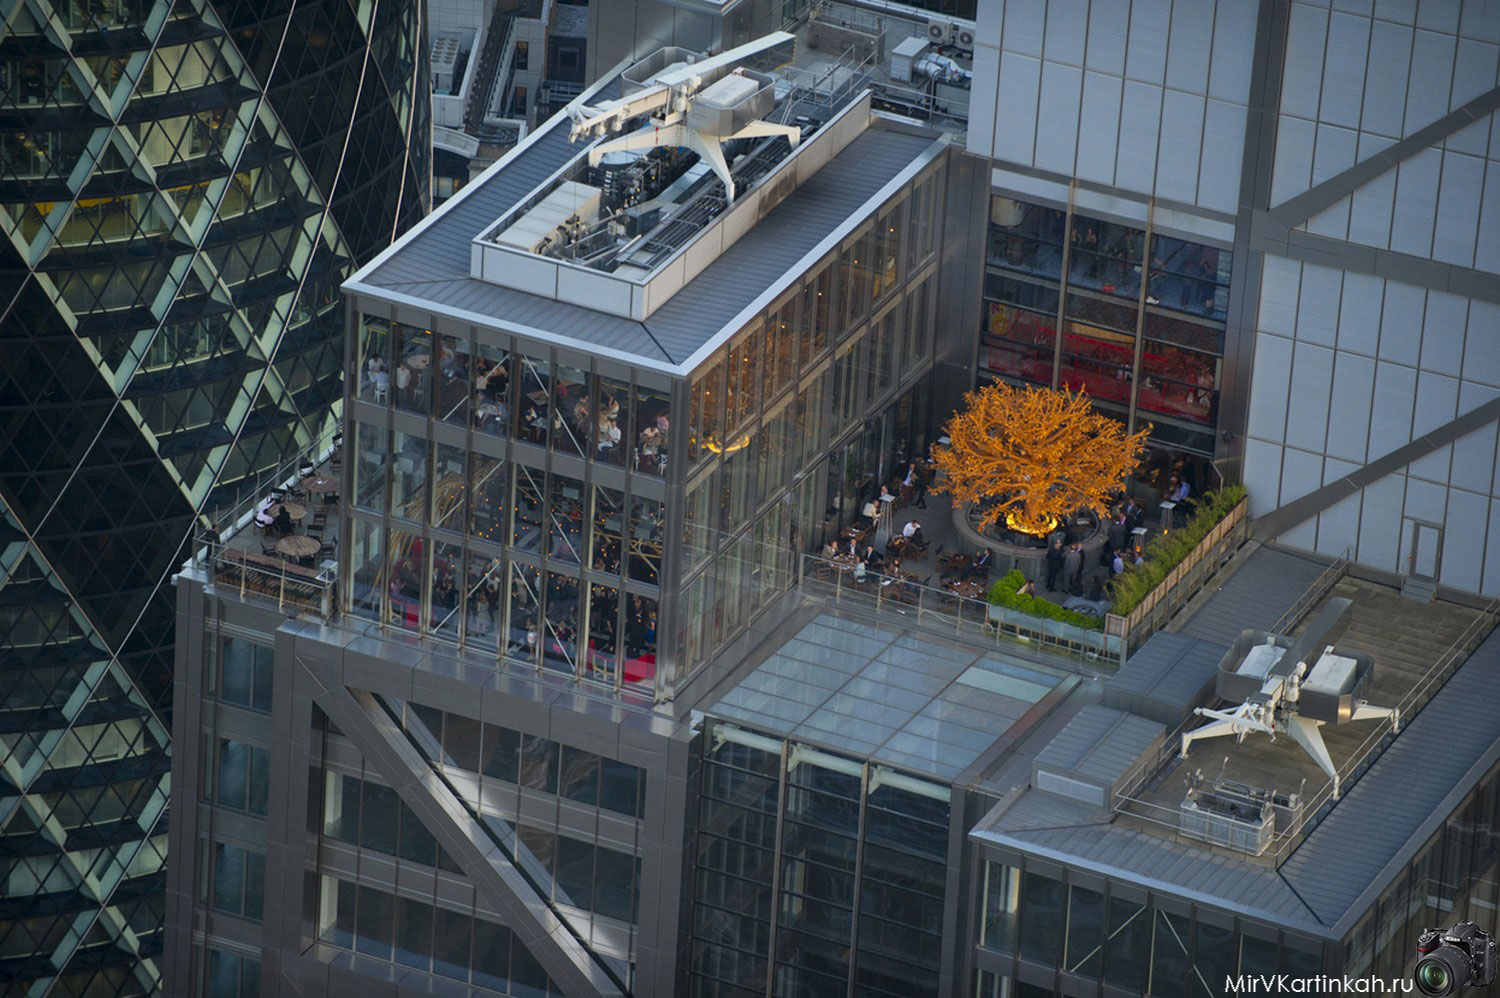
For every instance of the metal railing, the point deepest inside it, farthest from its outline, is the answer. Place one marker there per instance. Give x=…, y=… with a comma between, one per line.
x=261, y=576
x=230, y=520
x=1315, y=807
x=948, y=612
x=1320, y=587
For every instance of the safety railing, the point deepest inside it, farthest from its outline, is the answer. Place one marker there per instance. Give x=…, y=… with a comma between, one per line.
x=1315, y=806
x=946, y=611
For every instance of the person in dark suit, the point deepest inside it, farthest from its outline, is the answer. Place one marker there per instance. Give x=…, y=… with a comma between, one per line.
x=1054, y=561
x=980, y=567
x=283, y=521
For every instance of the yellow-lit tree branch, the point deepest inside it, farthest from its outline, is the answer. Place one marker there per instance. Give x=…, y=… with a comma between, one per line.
x=1035, y=456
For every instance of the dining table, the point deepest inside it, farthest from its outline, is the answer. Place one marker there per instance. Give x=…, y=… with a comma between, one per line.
x=320, y=484
x=295, y=510
x=298, y=546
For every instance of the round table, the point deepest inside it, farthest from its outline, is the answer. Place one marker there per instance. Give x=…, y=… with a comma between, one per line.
x=320, y=484
x=419, y=361
x=968, y=589
x=298, y=546
x=293, y=509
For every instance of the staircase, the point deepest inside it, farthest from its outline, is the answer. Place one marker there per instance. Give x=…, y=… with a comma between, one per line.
x=1418, y=589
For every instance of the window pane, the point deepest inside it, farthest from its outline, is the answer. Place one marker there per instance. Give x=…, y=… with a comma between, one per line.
x=453, y=381
x=260, y=781
x=492, y=401
x=560, y=640
x=377, y=829
x=640, y=640
x=374, y=347
x=565, y=520
x=525, y=598
x=374, y=922
x=1126, y=945
x=501, y=746
x=645, y=540
x=1085, y=931
x=604, y=627
x=233, y=780
x=413, y=368
x=575, y=872
x=539, y=764
x=409, y=477
x=229, y=878
x=576, y=411
x=485, y=579
x=1169, y=955
x=417, y=843
x=580, y=775
x=614, y=884
x=450, y=955
x=413, y=934
x=620, y=787
x=237, y=671
x=652, y=426
x=526, y=532
x=535, y=405
x=491, y=956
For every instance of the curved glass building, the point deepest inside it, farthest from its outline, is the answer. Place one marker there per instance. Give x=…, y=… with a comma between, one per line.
x=183, y=186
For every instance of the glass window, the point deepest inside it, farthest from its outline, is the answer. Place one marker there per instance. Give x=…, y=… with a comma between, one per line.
x=609, y=529
x=613, y=435
x=246, y=672
x=534, y=407
x=560, y=642
x=577, y=412
x=645, y=540
x=492, y=401
x=1027, y=238
x=244, y=777
x=374, y=920
x=887, y=258
x=1041, y=917
x=501, y=748
x=580, y=775
x=1189, y=277
x=407, y=560
x=413, y=364
x=1182, y=384
x=374, y=358
x=1106, y=256
x=696, y=516
x=447, y=582
x=1097, y=361
x=378, y=818
x=856, y=269
x=230, y=976
x=492, y=956
x=449, y=487
x=1018, y=344
x=413, y=934
x=409, y=477
x=640, y=640
x=653, y=424
x=782, y=336
x=523, y=642
x=539, y=760
x=370, y=456
x=454, y=380
x=526, y=531
x=461, y=742
x=604, y=633
x=367, y=570
x=1169, y=955
x=810, y=422
x=708, y=400
x=1257, y=956
x=772, y=454
x=622, y=787
x=1126, y=944
x=450, y=955
x=565, y=525
x=691, y=624
x=488, y=484
x=417, y=843
x=238, y=880
x=1213, y=958
x=1085, y=940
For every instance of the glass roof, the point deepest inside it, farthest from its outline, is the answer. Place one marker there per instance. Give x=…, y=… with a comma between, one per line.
x=887, y=694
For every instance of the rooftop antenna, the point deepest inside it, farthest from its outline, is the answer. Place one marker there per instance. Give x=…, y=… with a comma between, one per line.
x=1292, y=689
x=694, y=103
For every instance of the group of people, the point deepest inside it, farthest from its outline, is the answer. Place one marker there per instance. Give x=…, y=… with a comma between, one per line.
x=1068, y=568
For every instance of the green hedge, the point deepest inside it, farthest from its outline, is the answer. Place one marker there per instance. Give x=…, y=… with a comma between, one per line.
x=1166, y=551
x=1003, y=593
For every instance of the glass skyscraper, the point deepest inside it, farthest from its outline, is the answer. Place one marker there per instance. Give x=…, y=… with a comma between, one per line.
x=180, y=199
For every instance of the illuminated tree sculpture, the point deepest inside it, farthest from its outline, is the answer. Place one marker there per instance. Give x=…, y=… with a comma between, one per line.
x=1031, y=456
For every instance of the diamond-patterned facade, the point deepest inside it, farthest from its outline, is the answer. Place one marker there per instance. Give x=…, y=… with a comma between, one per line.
x=183, y=186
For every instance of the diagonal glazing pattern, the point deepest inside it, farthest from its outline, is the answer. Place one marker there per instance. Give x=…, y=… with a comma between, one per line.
x=179, y=200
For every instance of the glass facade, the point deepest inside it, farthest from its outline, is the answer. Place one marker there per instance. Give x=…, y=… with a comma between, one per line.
x=179, y=205
x=581, y=861
x=1079, y=934
x=516, y=498
x=1065, y=306
x=813, y=873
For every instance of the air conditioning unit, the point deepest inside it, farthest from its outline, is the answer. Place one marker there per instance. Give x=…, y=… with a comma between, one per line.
x=961, y=34
x=940, y=32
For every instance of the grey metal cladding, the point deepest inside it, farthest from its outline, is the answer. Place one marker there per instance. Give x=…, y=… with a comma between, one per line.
x=1167, y=676
x=441, y=251
x=434, y=266
x=1256, y=595
x=780, y=239
x=1416, y=781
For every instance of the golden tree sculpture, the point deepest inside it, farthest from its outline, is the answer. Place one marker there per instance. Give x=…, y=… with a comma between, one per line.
x=1031, y=456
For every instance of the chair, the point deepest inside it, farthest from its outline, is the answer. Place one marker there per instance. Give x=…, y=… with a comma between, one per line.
x=268, y=547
